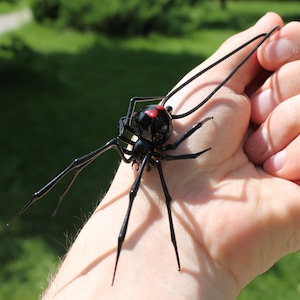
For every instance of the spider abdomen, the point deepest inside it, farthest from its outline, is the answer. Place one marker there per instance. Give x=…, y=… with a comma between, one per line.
x=154, y=124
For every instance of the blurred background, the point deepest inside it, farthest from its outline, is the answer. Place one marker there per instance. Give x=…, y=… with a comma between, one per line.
x=65, y=79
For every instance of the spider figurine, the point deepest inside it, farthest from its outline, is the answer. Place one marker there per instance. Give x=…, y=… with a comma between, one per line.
x=142, y=140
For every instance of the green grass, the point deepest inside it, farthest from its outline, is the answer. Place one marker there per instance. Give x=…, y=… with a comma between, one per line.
x=62, y=93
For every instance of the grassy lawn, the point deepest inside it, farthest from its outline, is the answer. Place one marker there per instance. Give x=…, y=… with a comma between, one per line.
x=62, y=93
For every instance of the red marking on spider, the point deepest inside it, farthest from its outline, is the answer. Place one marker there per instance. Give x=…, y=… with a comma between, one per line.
x=152, y=113
x=160, y=107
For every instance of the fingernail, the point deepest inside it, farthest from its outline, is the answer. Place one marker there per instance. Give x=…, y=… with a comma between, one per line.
x=277, y=161
x=280, y=50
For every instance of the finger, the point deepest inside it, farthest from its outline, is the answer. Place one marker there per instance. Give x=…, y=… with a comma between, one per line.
x=282, y=85
x=282, y=47
x=280, y=129
x=285, y=163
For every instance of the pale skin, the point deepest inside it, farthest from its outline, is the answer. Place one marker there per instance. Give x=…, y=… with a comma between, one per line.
x=233, y=219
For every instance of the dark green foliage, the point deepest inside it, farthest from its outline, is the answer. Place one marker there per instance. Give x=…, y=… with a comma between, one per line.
x=119, y=17
x=46, y=10
x=134, y=17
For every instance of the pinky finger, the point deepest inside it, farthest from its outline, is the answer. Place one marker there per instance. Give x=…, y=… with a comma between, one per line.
x=285, y=163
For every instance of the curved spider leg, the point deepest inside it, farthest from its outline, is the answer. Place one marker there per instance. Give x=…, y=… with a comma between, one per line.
x=123, y=126
x=124, y=226
x=126, y=140
x=186, y=135
x=168, y=204
x=264, y=37
x=181, y=86
x=78, y=165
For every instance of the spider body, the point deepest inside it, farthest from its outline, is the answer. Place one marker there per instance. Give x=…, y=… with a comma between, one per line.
x=142, y=139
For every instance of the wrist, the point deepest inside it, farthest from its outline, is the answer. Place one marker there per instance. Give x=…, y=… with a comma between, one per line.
x=147, y=263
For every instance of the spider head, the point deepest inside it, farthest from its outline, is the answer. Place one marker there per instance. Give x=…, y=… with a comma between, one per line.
x=154, y=124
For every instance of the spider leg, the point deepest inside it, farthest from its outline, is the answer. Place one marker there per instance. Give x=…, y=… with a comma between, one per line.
x=186, y=135
x=168, y=204
x=174, y=91
x=124, y=226
x=181, y=156
x=68, y=186
x=264, y=36
x=78, y=165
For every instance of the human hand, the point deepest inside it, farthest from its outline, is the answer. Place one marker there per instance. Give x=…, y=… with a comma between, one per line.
x=232, y=219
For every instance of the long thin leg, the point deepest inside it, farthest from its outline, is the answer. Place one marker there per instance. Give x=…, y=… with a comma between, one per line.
x=265, y=37
x=174, y=91
x=80, y=167
x=124, y=226
x=67, y=187
x=168, y=204
x=78, y=164
x=186, y=135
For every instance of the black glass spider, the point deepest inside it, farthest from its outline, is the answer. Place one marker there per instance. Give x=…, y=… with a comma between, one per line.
x=152, y=127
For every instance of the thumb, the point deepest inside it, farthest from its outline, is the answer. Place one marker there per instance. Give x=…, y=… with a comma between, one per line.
x=282, y=47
